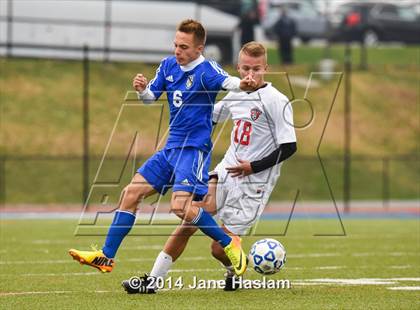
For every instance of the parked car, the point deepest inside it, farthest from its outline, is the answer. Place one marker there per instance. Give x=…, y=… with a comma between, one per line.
x=310, y=23
x=375, y=22
x=114, y=30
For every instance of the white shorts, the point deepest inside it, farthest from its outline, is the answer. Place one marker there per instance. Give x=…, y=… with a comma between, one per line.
x=239, y=205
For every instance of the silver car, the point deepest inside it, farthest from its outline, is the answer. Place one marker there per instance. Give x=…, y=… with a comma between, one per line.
x=310, y=23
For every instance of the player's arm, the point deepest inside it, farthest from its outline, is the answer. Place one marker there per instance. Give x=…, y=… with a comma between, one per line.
x=217, y=79
x=233, y=83
x=150, y=92
x=283, y=152
x=143, y=93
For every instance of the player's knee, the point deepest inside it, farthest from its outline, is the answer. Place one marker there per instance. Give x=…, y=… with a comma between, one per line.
x=184, y=211
x=187, y=214
x=131, y=196
x=180, y=205
x=190, y=214
x=211, y=206
x=178, y=212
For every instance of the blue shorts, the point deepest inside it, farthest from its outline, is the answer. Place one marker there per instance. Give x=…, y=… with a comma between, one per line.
x=184, y=169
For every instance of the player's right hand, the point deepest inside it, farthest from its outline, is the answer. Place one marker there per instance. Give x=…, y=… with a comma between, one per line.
x=248, y=83
x=139, y=82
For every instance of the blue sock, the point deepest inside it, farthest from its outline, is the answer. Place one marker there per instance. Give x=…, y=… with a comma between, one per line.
x=208, y=225
x=120, y=227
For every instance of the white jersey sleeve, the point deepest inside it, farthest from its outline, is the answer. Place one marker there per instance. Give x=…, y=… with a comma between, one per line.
x=221, y=110
x=232, y=83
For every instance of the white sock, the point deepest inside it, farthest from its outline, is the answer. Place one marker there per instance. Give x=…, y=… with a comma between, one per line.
x=230, y=271
x=161, y=266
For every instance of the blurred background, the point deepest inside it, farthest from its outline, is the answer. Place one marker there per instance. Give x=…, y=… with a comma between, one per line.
x=66, y=68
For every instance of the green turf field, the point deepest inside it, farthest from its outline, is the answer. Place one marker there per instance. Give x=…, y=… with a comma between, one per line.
x=37, y=273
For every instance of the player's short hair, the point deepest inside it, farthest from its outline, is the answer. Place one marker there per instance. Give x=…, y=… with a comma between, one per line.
x=194, y=27
x=254, y=49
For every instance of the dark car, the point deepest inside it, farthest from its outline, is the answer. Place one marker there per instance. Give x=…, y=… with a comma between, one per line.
x=375, y=22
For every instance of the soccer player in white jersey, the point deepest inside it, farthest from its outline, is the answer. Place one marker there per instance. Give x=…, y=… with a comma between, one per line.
x=191, y=83
x=262, y=137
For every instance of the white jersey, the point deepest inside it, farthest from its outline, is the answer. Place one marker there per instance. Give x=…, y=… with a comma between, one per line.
x=263, y=120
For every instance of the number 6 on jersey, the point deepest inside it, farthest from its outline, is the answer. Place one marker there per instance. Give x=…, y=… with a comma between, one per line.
x=177, y=100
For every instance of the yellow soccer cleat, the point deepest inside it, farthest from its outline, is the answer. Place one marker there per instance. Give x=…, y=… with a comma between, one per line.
x=94, y=258
x=237, y=257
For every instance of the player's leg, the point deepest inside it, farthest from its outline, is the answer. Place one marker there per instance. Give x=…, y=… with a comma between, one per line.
x=121, y=225
x=153, y=177
x=194, y=179
x=181, y=204
x=177, y=241
x=238, y=207
x=218, y=253
x=174, y=246
x=125, y=216
x=191, y=176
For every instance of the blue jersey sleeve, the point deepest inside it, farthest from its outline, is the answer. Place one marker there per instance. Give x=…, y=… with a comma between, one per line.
x=214, y=76
x=157, y=84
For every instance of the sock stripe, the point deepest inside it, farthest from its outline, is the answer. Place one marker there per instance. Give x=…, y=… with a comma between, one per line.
x=127, y=212
x=195, y=220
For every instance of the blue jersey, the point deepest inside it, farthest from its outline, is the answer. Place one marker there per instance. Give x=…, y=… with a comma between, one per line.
x=191, y=96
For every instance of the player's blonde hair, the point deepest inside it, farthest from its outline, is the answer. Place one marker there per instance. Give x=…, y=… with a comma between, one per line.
x=194, y=27
x=254, y=49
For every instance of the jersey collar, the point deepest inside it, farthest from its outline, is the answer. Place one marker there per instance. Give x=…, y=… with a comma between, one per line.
x=261, y=87
x=193, y=64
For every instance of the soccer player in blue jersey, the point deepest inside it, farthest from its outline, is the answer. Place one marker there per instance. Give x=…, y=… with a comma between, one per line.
x=191, y=83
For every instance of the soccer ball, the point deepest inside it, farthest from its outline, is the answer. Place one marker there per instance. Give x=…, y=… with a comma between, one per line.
x=267, y=256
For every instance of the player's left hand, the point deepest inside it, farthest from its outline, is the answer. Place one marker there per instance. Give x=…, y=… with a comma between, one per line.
x=242, y=170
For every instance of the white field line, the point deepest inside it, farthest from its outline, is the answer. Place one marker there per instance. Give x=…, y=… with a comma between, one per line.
x=329, y=267
x=401, y=267
x=404, y=288
x=144, y=247
x=146, y=259
x=23, y=262
x=49, y=241
x=390, y=253
x=197, y=270
x=360, y=254
x=297, y=283
x=138, y=247
x=2, y=294
x=360, y=281
x=67, y=274
x=313, y=255
x=156, y=247
x=301, y=282
x=33, y=293
x=348, y=282
x=68, y=261
x=192, y=270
